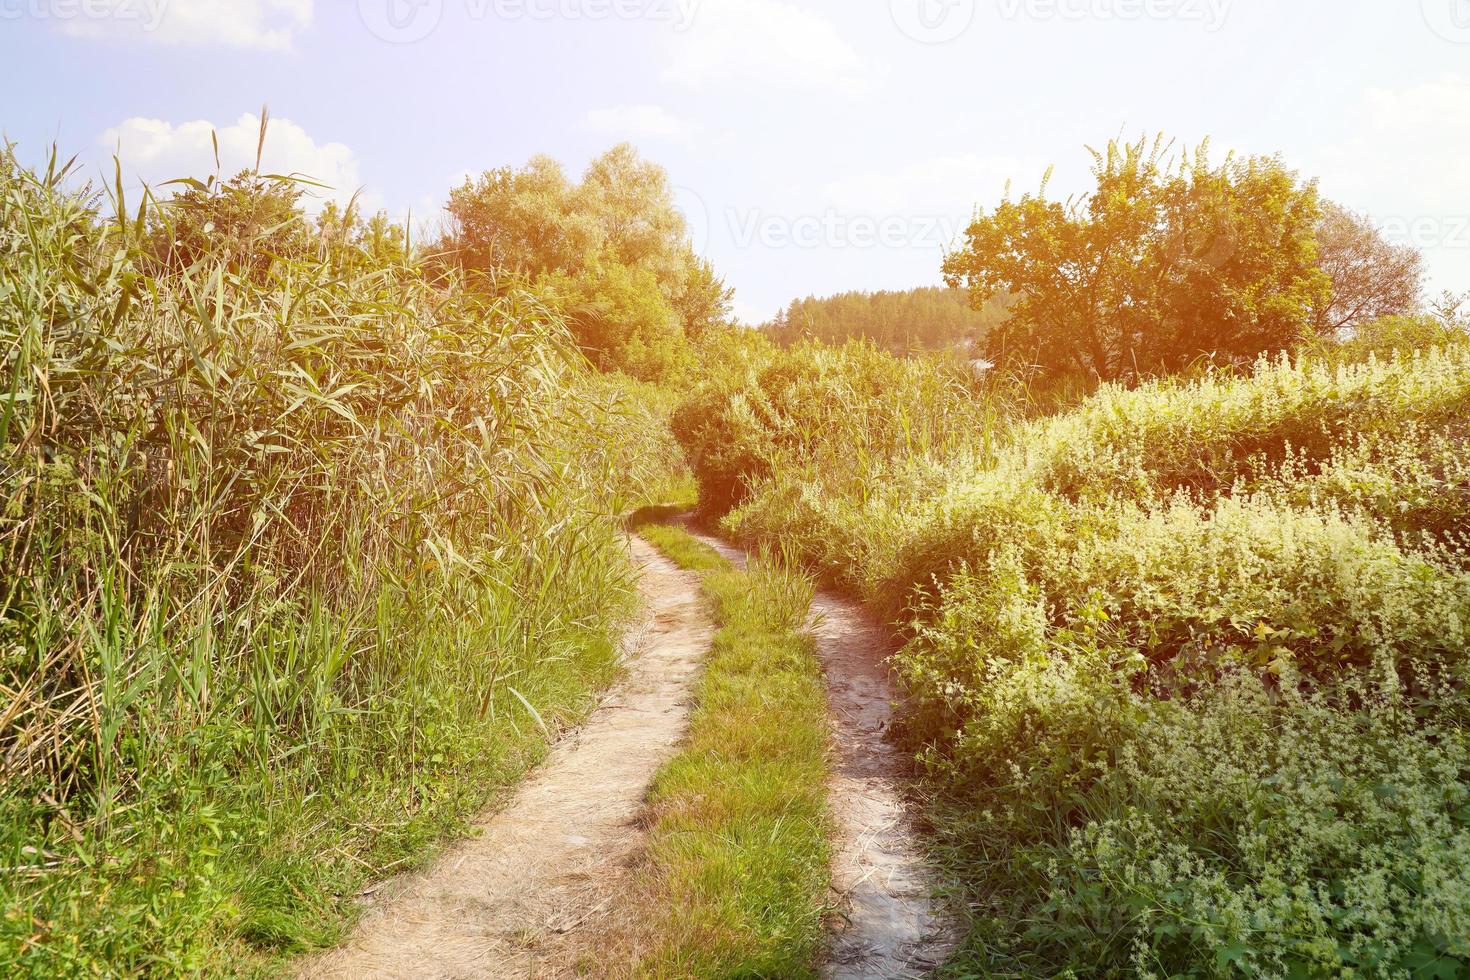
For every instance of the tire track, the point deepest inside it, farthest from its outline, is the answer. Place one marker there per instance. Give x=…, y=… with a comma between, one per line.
x=887, y=924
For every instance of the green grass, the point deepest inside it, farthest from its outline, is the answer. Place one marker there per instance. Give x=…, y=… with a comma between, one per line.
x=683, y=548
x=738, y=820
x=311, y=852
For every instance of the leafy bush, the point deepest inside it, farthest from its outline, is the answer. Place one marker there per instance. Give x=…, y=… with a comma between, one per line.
x=1236, y=833
x=761, y=411
x=1400, y=335
x=1206, y=434
x=1187, y=662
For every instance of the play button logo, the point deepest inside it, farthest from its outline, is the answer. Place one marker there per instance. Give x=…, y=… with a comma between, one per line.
x=1450, y=19
x=401, y=21
x=933, y=21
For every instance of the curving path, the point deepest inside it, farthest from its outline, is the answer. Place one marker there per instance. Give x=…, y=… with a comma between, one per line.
x=538, y=890
x=520, y=899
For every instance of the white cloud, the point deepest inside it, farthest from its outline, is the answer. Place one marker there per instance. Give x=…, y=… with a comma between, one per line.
x=763, y=42
x=262, y=24
x=750, y=314
x=1415, y=139
x=154, y=151
x=640, y=122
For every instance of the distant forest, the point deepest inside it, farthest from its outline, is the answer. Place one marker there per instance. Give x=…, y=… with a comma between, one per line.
x=925, y=319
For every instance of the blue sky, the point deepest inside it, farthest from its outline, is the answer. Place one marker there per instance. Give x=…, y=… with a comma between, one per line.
x=818, y=145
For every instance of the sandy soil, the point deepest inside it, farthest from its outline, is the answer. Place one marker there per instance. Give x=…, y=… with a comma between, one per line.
x=523, y=897
x=887, y=924
x=890, y=926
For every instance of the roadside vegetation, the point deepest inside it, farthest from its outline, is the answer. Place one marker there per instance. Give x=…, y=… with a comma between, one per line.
x=737, y=874
x=309, y=550
x=1187, y=652
x=1187, y=666
x=313, y=541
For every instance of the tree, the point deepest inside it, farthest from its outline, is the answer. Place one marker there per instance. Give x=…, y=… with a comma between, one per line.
x=1163, y=264
x=621, y=319
x=612, y=245
x=534, y=221
x=703, y=304
x=1371, y=277
x=631, y=204
x=523, y=221
x=925, y=319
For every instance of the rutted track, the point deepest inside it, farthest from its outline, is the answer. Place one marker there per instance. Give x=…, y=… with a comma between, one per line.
x=532, y=894
x=520, y=899
x=887, y=926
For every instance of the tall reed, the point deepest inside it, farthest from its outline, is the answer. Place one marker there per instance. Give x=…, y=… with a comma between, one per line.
x=301, y=562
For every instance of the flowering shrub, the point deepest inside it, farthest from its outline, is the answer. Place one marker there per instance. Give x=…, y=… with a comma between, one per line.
x=1208, y=433
x=1187, y=663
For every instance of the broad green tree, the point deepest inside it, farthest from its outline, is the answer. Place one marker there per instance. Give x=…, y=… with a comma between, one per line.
x=522, y=221
x=612, y=246
x=621, y=319
x=1164, y=264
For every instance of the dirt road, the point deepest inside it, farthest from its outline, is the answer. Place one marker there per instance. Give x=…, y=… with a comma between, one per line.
x=523, y=895
x=887, y=926
x=531, y=894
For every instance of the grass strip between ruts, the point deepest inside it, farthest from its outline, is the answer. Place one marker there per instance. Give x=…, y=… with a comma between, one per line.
x=738, y=824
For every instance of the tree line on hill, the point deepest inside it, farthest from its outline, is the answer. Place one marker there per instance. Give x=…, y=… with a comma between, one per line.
x=926, y=319
x=1170, y=262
